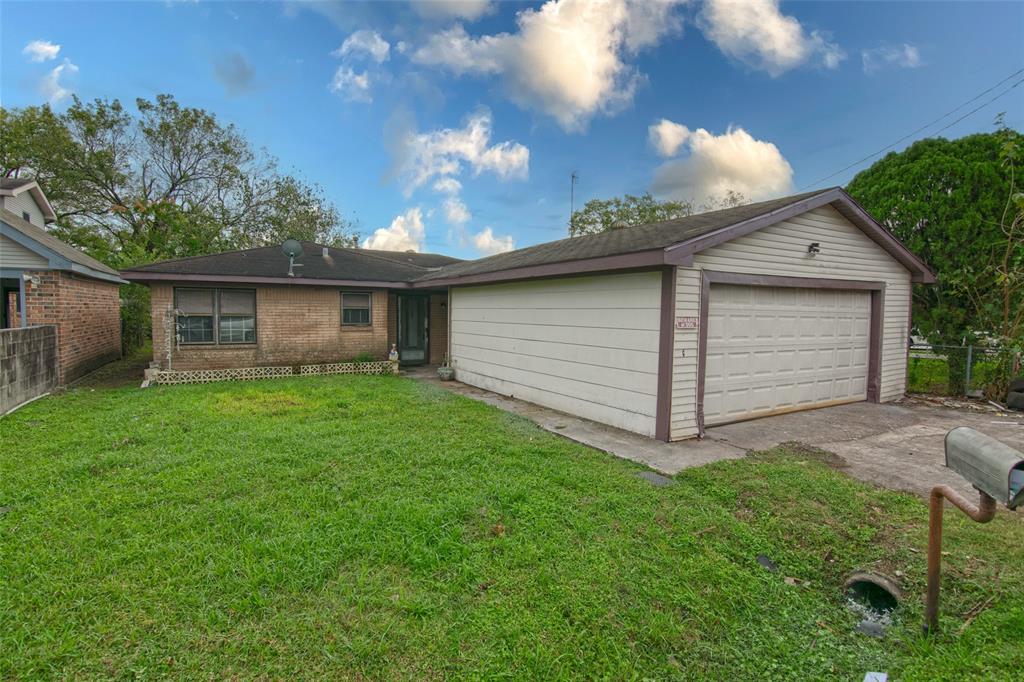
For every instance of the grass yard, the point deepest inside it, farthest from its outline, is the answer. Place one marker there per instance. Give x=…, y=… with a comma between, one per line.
x=373, y=527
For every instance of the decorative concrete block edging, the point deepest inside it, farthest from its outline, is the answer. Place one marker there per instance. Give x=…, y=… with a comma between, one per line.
x=205, y=376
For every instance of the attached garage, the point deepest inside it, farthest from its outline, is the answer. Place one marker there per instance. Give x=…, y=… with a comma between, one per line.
x=669, y=328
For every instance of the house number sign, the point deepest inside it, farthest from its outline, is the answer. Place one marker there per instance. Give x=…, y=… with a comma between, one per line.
x=686, y=323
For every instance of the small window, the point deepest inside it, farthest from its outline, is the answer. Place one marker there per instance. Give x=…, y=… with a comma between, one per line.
x=355, y=309
x=237, y=319
x=195, y=315
x=27, y=216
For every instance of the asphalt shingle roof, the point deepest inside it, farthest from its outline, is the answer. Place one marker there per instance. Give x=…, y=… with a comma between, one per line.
x=43, y=237
x=14, y=183
x=340, y=264
x=620, y=241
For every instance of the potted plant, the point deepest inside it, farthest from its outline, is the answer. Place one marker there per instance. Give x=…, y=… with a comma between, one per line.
x=446, y=372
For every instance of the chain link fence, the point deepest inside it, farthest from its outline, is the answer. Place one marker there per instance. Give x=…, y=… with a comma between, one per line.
x=956, y=371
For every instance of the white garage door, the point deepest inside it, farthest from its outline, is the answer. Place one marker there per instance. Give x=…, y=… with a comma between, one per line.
x=583, y=345
x=776, y=349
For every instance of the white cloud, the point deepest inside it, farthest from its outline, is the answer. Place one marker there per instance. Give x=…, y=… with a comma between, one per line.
x=757, y=33
x=905, y=56
x=566, y=59
x=366, y=43
x=352, y=86
x=471, y=10
x=667, y=136
x=717, y=164
x=51, y=86
x=487, y=244
x=405, y=233
x=448, y=186
x=41, y=51
x=443, y=153
x=455, y=211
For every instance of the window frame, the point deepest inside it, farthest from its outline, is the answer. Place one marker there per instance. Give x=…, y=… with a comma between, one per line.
x=369, y=310
x=216, y=291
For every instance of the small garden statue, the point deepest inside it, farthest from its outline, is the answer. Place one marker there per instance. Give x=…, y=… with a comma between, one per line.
x=446, y=372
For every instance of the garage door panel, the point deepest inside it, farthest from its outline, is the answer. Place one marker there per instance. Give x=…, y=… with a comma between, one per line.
x=798, y=348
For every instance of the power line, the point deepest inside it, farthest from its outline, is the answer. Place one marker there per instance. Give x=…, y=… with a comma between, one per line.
x=929, y=125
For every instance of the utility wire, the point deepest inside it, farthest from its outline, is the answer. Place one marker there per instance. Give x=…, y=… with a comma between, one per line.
x=929, y=125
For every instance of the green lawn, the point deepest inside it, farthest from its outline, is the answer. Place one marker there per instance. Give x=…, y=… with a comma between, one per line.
x=373, y=527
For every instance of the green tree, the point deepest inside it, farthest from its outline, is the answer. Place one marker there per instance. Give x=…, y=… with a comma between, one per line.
x=953, y=203
x=164, y=181
x=598, y=215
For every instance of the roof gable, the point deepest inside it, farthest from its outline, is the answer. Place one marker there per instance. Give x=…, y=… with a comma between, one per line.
x=59, y=255
x=11, y=187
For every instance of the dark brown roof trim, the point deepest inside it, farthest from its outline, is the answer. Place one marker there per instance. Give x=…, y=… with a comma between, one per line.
x=625, y=261
x=682, y=253
x=666, y=343
x=141, y=276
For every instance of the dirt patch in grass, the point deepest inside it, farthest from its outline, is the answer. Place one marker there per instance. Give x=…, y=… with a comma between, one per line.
x=795, y=449
x=256, y=401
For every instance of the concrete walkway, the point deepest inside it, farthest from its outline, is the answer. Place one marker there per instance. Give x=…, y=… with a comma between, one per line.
x=898, y=446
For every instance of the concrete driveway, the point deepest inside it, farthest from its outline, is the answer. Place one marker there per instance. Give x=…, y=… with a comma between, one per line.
x=898, y=446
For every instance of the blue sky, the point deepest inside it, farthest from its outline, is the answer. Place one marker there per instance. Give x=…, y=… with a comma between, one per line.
x=453, y=126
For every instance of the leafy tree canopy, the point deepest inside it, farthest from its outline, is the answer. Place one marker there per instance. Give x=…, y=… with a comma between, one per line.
x=599, y=215
x=162, y=181
x=957, y=204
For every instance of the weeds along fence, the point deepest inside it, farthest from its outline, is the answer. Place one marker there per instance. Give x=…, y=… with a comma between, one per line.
x=956, y=370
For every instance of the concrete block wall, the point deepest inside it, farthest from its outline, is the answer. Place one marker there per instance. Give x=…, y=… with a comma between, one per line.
x=87, y=315
x=28, y=364
x=295, y=325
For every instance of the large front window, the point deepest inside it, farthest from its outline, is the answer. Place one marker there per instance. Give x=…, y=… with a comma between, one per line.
x=216, y=316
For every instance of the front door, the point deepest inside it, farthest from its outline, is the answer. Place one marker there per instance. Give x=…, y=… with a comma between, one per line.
x=413, y=333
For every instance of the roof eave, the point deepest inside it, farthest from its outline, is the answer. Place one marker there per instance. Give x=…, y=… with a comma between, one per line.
x=144, y=277
x=638, y=260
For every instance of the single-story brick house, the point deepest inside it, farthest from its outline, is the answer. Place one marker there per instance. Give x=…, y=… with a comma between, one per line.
x=44, y=281
x=661, y=329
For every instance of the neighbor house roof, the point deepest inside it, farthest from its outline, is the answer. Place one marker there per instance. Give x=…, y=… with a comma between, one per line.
x=671, y=242
x=269, y=264
x=60, y=255
x=10, y=187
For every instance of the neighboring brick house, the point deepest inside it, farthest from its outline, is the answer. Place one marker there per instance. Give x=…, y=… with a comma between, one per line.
x=45, y=281
x=242, y=309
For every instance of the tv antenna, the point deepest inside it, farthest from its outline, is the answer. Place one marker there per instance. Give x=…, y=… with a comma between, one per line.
x=573, y=179
x=293, y=249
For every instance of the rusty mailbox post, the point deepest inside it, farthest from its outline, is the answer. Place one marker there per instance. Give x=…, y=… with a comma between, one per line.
x=996, y=471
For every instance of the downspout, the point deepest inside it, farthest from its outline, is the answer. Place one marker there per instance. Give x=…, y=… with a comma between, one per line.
x=21, y=299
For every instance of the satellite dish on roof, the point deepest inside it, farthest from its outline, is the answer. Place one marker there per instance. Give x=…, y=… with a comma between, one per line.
x=293, y=249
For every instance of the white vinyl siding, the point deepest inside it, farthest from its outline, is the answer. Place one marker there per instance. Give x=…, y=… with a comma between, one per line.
x=583, y=345
x=781, y=249
x=15, y=256
x=780, y=349
x=24, y=203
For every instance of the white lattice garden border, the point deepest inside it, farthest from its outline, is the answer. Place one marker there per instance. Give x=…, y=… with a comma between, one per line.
x=205, y=376
x=382, y=367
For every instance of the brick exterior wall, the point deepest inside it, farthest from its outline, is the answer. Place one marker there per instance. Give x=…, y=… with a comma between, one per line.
x=295, y=325
x=438, y=328
x=87, y=314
